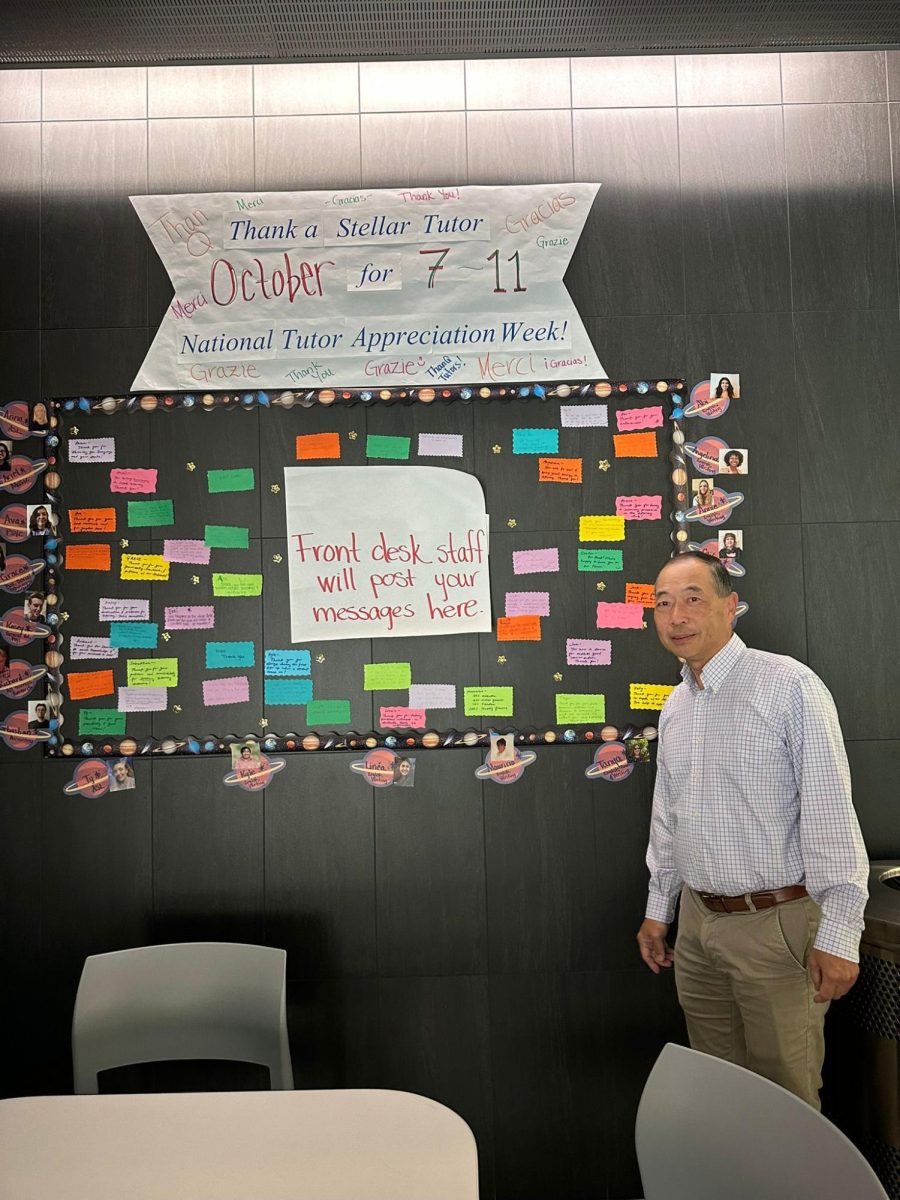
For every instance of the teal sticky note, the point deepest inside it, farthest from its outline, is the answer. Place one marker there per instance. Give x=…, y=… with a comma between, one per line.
x=226, y=537
x=237, y=479
x=106, y=722
x=599, y=560
x=328, y=713
x=535, y=441
x=288, y=662
x=230, y=654
x=134, y=635
x=150, y=512
x=289, y=691
x=378, y=445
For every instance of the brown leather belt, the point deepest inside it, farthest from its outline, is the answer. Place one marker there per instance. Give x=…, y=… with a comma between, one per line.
x=752, y=901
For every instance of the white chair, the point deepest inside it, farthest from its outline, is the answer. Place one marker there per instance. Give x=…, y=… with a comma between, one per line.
x=708, y=1130
x=191, y=1000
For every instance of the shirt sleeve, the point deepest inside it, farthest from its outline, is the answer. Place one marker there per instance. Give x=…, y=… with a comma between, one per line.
x=665, y=883
x=835, y=861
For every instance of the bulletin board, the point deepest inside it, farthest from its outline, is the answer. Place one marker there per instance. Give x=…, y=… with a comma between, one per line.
x=169, y=591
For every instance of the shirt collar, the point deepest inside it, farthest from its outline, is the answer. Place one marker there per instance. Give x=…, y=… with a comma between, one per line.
x=718, y=668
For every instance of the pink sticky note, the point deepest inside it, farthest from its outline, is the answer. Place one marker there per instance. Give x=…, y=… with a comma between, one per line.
x=191, y=616
x=620, y=616
x=528, y=604
x=132, y=479
x=588, y=652
x=397, y=717
x=639, y=508
x=185, y=551
x=629, y=419
x=529, y=562
x=234, y=689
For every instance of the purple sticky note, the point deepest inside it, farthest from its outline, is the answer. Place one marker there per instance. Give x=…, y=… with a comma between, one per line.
x=92, y=647
x=143, y=699
x=528, y=604
x=588, y=652
x=583, y=416
x=113, y=609
x=190, y=616
x=186, y=550
x=440, y=445
x=234, y=689
x=432, y=695
x=530, y=562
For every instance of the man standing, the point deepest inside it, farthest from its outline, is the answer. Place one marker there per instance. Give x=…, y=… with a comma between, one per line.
x=753, y=824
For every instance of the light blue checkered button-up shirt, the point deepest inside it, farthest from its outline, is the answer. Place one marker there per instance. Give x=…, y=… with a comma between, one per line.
x=753, y=792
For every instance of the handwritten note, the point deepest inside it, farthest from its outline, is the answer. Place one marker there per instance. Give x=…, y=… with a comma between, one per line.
x=144, y=566
x=134, y=635
x=288, y=691
x=634, y=445
x=535, y=441
x=525, y=604
x=230, y=654
x=649, y=695
x=123, y=610
x=92, y=520
x=142, y=513
x=287, y=662
x=432, y=695
x=533, y=562
x=236, y=585
x=582, y=416
x=386, y=676
x=92, y=647
x=401, y=718
x=318, y=445
x=186, y=550
x=559, y=470
x=92, y=450
x=599, y=560
x=519, y=629
x=83, y=685
x=580, y=708
x=328, y=713
x=488, y=701
x=230, y=689
x=226, y=537
x=104, y=722
x=588, y=652
x=639, y=418
x=132, y=479
x=640, y=593
x=237, y=479
x=639, y=508
x=620, y=616
x=190, y=616
x=153, y=672
x=95, y=557
x=142, y=699
x=440, y=445
x=380, y=446
x=601, y=529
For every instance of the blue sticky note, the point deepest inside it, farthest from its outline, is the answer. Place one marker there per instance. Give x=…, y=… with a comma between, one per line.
x=133, y=635
x=535, y=441
x=288, y=691
x=288, y=662
x=230, y=654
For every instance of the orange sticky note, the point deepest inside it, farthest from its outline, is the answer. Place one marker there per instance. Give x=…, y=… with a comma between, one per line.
x=83, y=685
x=319, y=445
x=559, y=470
x=88, y=558
x=635, y=445
x=518, y=629
x=92, y=520
x=640, y=593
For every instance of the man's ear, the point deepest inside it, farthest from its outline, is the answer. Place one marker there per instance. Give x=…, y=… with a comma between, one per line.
x=732, y=605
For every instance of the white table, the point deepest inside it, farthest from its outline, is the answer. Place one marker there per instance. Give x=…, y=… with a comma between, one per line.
x=329, y=1145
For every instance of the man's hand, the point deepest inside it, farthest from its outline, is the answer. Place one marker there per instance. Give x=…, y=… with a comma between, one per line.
x=655, y=950
x=832, y=977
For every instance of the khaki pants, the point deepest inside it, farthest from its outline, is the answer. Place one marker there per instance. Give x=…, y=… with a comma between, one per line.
x=745, y=992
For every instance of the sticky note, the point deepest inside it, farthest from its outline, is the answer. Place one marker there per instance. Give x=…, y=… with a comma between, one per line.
x=535, y=441
x=432, y=695
x=620, y=616
x=639, y=418
x=92, y=450
x=579, y=708
x=588, y=652
x=230, y=654
x=134, y=635
x=142, y=699
x=488, y=701
x=318, y=445
x=186, y=550
x=639, y=508
x=328, y=712
x=532, y=562
x=288, y=691
x=237, y=585
x=601, y=529
x=150, y=512
x=440, y=445
x=287, y=662
x=559, y=470
x=634, y=445
x=190, y=616
x=583, y=416
x=230, y=689
x=95, y=557
x=92, y=520
x=237, y=479
x=524, y=604
x=153, y=672
x=112, y=609
x=386, y=676
x=144, y=566
x=107, y=722
x=85, y=684
x=599, y=560
x=519, y=629
x=92, y=647
x=132, y=479
x=398, y=717
x=640, y=593
x=649, y=695
x=380, y=446
x=226, y=537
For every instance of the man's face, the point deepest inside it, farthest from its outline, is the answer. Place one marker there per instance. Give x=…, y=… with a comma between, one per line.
x=35, y=604
x=692, y=620
x=120, y=772
x=40, y=712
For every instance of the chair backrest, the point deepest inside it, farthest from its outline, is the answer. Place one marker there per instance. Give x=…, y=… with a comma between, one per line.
x=709, y=1130
x=190, y=1000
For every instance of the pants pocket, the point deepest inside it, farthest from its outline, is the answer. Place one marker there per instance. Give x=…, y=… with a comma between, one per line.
x=795, y=930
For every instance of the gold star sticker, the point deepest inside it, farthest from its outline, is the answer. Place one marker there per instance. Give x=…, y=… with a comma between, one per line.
x=496, y=449
x=603, y=464
x=501, y=658
x=558, y=676
x=511, y=522
x=124, y=543
x=176, y=708
x=352, y=435
x=644, y=623
x=166, y=637
x=601, y=586
x=276, y=558
x=63, y=616
x=275, y=489
x=191, y=466
x=73, y=430
x=320, y=658
x=263, y=723
x=195, y=579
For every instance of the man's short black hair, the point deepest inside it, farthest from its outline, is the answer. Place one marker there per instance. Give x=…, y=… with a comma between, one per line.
x=721, y=579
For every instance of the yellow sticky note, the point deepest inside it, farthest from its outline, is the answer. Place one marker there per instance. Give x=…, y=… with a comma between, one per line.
x=236, y=585
x=144, y=566
x=649, y=695
x=153, y=672
x=601, y=529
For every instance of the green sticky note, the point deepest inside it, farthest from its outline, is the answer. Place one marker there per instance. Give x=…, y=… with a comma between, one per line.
x=385, y=677
x=488, y=701
x=226, y=537
x=599, y=560
x=328, y=712
x=584, y=708
x=103, y=721
x=153, y=672
x=239, y=479
x=150, y=512
x=236, y=585
x=378, y=445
